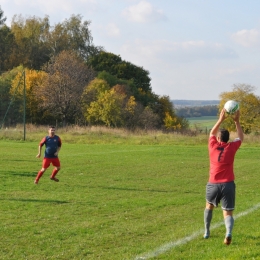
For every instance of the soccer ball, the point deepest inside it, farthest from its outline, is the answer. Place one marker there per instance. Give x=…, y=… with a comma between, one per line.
x=231, y=107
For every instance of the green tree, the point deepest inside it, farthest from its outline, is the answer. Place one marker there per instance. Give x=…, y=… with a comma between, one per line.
x=74, y=35
x=6, y=43
x=209, y=110
x=31, y=37
x=113, y=80
x=249, y=107
x=114, y=65
x=7, y=46
x=2, y=18
x=37, y=41
x=117, y=71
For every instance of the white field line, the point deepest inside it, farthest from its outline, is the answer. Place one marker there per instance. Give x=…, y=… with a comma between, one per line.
x=166, y=247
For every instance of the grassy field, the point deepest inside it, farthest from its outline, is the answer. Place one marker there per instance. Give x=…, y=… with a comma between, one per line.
x=121, y=196
x=205, y=122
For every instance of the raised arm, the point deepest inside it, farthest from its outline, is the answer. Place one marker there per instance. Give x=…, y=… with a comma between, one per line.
x=240, y=133
x=222, y=117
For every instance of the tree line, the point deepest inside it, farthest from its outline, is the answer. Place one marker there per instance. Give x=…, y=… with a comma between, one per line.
x=69, y=80
x=197, y=111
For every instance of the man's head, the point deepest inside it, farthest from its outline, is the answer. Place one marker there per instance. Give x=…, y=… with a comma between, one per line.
x=223, y=135
x=51, y=130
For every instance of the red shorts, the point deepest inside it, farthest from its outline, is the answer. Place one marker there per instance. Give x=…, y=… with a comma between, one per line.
x=47, y=161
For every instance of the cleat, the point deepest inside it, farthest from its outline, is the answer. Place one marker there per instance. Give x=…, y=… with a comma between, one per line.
x=206, y=236
x=35, y=182
x=227, y=240
x=54, y=179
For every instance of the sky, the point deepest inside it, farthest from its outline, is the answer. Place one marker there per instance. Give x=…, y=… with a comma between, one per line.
x=192, y=49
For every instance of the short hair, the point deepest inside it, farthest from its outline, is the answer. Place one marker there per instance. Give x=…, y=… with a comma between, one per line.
x=51, y=126
x=224, y=135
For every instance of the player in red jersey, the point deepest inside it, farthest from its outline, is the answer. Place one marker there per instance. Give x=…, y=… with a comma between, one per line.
x=221, y=186
x=52, y=144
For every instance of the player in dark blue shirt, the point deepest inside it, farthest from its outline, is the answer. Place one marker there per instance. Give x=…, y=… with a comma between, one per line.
x=52, y=144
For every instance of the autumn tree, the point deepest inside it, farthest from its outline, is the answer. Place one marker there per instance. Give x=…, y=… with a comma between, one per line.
x=114, y=70
x=33, y=79
x=36, y=41
x=90, y=94
x=106, y=109
x=249, y=107
x=73, y=35
x=175, y=123
x=113, y=107
x=31, y=35
x=161, y=106
x=92, y=90
x=67, y=75
x=164, y=108
x=9, y=104
x=101, y=104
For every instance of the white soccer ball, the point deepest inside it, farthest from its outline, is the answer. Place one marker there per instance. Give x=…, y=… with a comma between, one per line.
x=231, y=107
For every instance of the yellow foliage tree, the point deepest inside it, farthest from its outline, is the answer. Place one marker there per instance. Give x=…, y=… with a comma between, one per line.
x=249, y=107
x=171, y=123
x=106, y=109
x=131, y=105
x=33, y=79
x=91, y=93
x=107, y=106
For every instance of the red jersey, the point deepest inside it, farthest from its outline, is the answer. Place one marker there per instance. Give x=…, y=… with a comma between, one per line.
x=222, y=157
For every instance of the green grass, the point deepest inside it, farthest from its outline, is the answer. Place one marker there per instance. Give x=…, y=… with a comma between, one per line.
x=121, y=200
x=204, y=122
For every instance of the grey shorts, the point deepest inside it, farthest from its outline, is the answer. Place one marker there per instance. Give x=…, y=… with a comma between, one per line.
x=224, y=192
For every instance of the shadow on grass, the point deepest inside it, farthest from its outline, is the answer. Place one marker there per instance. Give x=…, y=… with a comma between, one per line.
x=20, y=160
x=133, y=189
x=35, y=200
x=33, y=174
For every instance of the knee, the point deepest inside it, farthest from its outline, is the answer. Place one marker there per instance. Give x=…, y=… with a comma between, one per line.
x=227, y=213
x=209, y=206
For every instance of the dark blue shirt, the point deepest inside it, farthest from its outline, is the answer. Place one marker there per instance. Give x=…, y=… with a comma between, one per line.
x=51, y=145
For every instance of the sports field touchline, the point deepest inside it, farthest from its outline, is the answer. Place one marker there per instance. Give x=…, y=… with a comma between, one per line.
x=166, y=247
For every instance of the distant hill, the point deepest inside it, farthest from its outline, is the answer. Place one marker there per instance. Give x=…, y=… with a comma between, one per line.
x=195, y=108
x=194, y=103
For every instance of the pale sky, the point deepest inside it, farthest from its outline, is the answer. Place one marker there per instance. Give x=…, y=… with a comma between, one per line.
x=193, y=49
